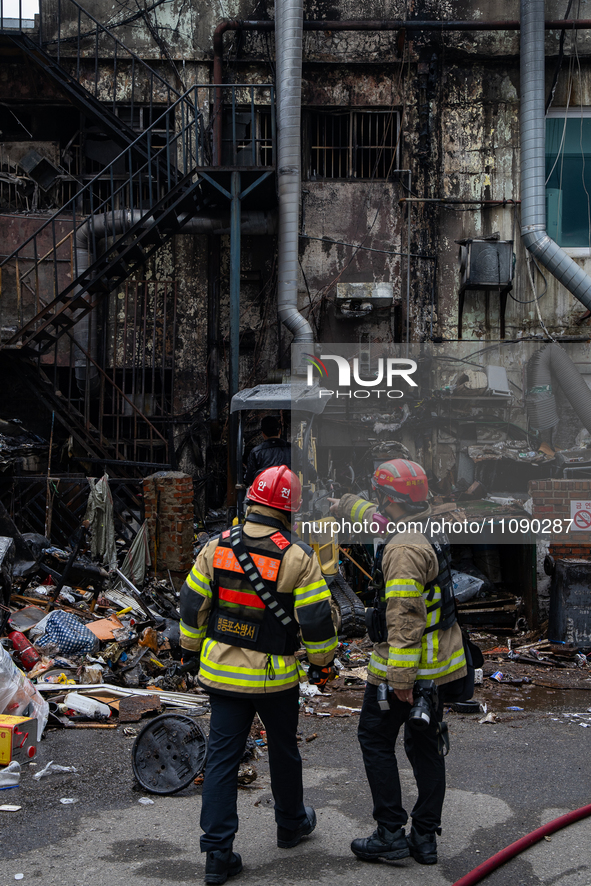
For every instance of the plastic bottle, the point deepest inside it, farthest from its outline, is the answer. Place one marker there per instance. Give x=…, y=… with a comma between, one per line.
x=10, y=776
x=87, y=706
x=27, y=653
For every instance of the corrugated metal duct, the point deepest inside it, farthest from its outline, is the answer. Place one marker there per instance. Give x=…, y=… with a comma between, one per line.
x=541, y=402
x=289, y=23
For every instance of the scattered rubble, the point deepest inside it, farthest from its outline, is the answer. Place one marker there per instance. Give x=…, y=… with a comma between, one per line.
x=88, y=647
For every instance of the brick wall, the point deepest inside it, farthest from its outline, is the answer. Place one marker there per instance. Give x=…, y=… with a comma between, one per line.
x=551, y=500
x=168, y=503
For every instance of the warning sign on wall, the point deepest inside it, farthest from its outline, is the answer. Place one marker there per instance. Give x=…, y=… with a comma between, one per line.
x=580, y=512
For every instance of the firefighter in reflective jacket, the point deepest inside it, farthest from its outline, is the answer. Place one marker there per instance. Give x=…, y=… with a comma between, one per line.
x=418, y=638
x=252, y=594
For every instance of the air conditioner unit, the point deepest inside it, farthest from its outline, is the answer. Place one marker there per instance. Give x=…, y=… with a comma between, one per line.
x=486, y=264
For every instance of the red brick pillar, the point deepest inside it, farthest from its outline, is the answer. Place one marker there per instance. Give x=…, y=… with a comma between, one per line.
x=551, y=500
x=168, y=504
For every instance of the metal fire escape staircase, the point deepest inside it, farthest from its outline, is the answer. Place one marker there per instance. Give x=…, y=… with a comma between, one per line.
x=71, y=46
x=160, y=194
x=63, y=272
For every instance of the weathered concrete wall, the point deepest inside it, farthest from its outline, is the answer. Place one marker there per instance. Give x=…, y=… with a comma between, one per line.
x=457, y=94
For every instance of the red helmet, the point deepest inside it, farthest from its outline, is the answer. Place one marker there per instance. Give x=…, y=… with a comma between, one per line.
x=402, y=482
x=276, y=487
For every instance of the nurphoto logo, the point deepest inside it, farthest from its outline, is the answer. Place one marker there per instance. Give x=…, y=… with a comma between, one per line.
x=389, y=371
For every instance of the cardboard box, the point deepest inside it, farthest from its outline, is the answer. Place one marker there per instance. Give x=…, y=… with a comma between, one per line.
x=18, y=739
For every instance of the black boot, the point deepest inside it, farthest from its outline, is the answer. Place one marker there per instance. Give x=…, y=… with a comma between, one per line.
x=390, y=845
x=423, y=847
x=221, y=864
x=286, y=838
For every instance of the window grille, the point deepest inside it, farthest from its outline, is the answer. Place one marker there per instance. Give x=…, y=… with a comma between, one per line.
x=141, y=117
x=352, y=144
x=240, y=145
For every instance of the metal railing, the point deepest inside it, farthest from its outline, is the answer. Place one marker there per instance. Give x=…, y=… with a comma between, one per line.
x=90, y=53
x=39, y=274
x=46, y=265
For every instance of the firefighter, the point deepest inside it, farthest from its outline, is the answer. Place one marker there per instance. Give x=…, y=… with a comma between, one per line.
x=418, y=639
x=252, y=594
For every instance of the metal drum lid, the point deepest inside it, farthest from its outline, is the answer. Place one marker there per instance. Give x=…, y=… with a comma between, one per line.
x=169, y=753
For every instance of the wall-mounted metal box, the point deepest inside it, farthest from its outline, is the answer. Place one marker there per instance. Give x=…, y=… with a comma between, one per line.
x=486, y=264
x=381, y=295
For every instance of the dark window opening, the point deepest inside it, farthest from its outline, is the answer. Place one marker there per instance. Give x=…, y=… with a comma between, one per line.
x=568, y=178
x=247, y=138
x=356, y=144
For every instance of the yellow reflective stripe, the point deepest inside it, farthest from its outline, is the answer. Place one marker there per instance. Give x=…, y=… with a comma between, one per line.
x=404, y=587
x=311, y=593
x=442, y=668
x=310, y=587
x=403, y=658
x=362, y=507
x=194, y=633
x=430, y=641
x=199, y=583
x=325, y=646
x=377, y=666
x=247, y=677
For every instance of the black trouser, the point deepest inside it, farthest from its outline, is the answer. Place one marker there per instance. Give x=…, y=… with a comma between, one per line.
x=377, y=736
x=231, y=719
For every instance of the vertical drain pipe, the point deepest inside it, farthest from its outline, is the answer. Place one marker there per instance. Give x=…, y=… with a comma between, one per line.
x=533, y=159
x=289, y=24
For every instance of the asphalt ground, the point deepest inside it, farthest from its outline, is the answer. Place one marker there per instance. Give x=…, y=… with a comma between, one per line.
x=504, y=780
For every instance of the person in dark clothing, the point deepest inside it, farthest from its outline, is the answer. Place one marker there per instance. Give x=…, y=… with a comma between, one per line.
x=273, y=452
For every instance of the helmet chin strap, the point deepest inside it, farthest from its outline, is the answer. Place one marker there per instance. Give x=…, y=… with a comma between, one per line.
x=383, y=500
x=408, y=508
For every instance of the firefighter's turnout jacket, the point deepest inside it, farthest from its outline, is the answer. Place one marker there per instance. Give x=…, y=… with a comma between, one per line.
x=244, y=648
x=409, y=565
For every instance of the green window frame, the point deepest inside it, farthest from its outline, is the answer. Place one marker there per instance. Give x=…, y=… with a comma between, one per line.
x=568, y=177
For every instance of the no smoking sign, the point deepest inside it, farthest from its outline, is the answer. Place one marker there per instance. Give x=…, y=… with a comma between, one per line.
x=580, y=512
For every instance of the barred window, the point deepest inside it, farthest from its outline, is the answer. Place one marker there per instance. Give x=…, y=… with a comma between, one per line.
x=247, y=137
x=351, y=144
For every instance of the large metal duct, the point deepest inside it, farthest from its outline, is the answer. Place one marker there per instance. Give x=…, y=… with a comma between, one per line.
x=541, y=403
x=289, y=22
x=533, y=160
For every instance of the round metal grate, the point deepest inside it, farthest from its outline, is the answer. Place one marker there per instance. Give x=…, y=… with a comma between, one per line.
x=169, y=753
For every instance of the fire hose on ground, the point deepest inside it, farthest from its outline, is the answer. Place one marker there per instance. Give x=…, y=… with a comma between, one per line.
x=487, y=867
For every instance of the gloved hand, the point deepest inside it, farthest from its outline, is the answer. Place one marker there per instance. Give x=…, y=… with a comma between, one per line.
x=189, y=662
x=320, y=676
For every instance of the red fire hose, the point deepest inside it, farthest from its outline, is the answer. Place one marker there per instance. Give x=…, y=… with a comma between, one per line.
x=487, y=867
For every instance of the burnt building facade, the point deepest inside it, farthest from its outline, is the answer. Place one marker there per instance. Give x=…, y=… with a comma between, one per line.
x=140, y=206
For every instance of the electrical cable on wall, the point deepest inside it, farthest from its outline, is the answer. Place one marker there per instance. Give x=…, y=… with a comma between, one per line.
x=560, y=59
x=536, y=298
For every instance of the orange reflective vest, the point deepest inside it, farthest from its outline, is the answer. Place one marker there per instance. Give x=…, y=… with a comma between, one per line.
x=238, y=615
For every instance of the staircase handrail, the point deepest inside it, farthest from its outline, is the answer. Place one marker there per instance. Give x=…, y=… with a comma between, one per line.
x=80, y=36
x=71, y=203
x=161, y=155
